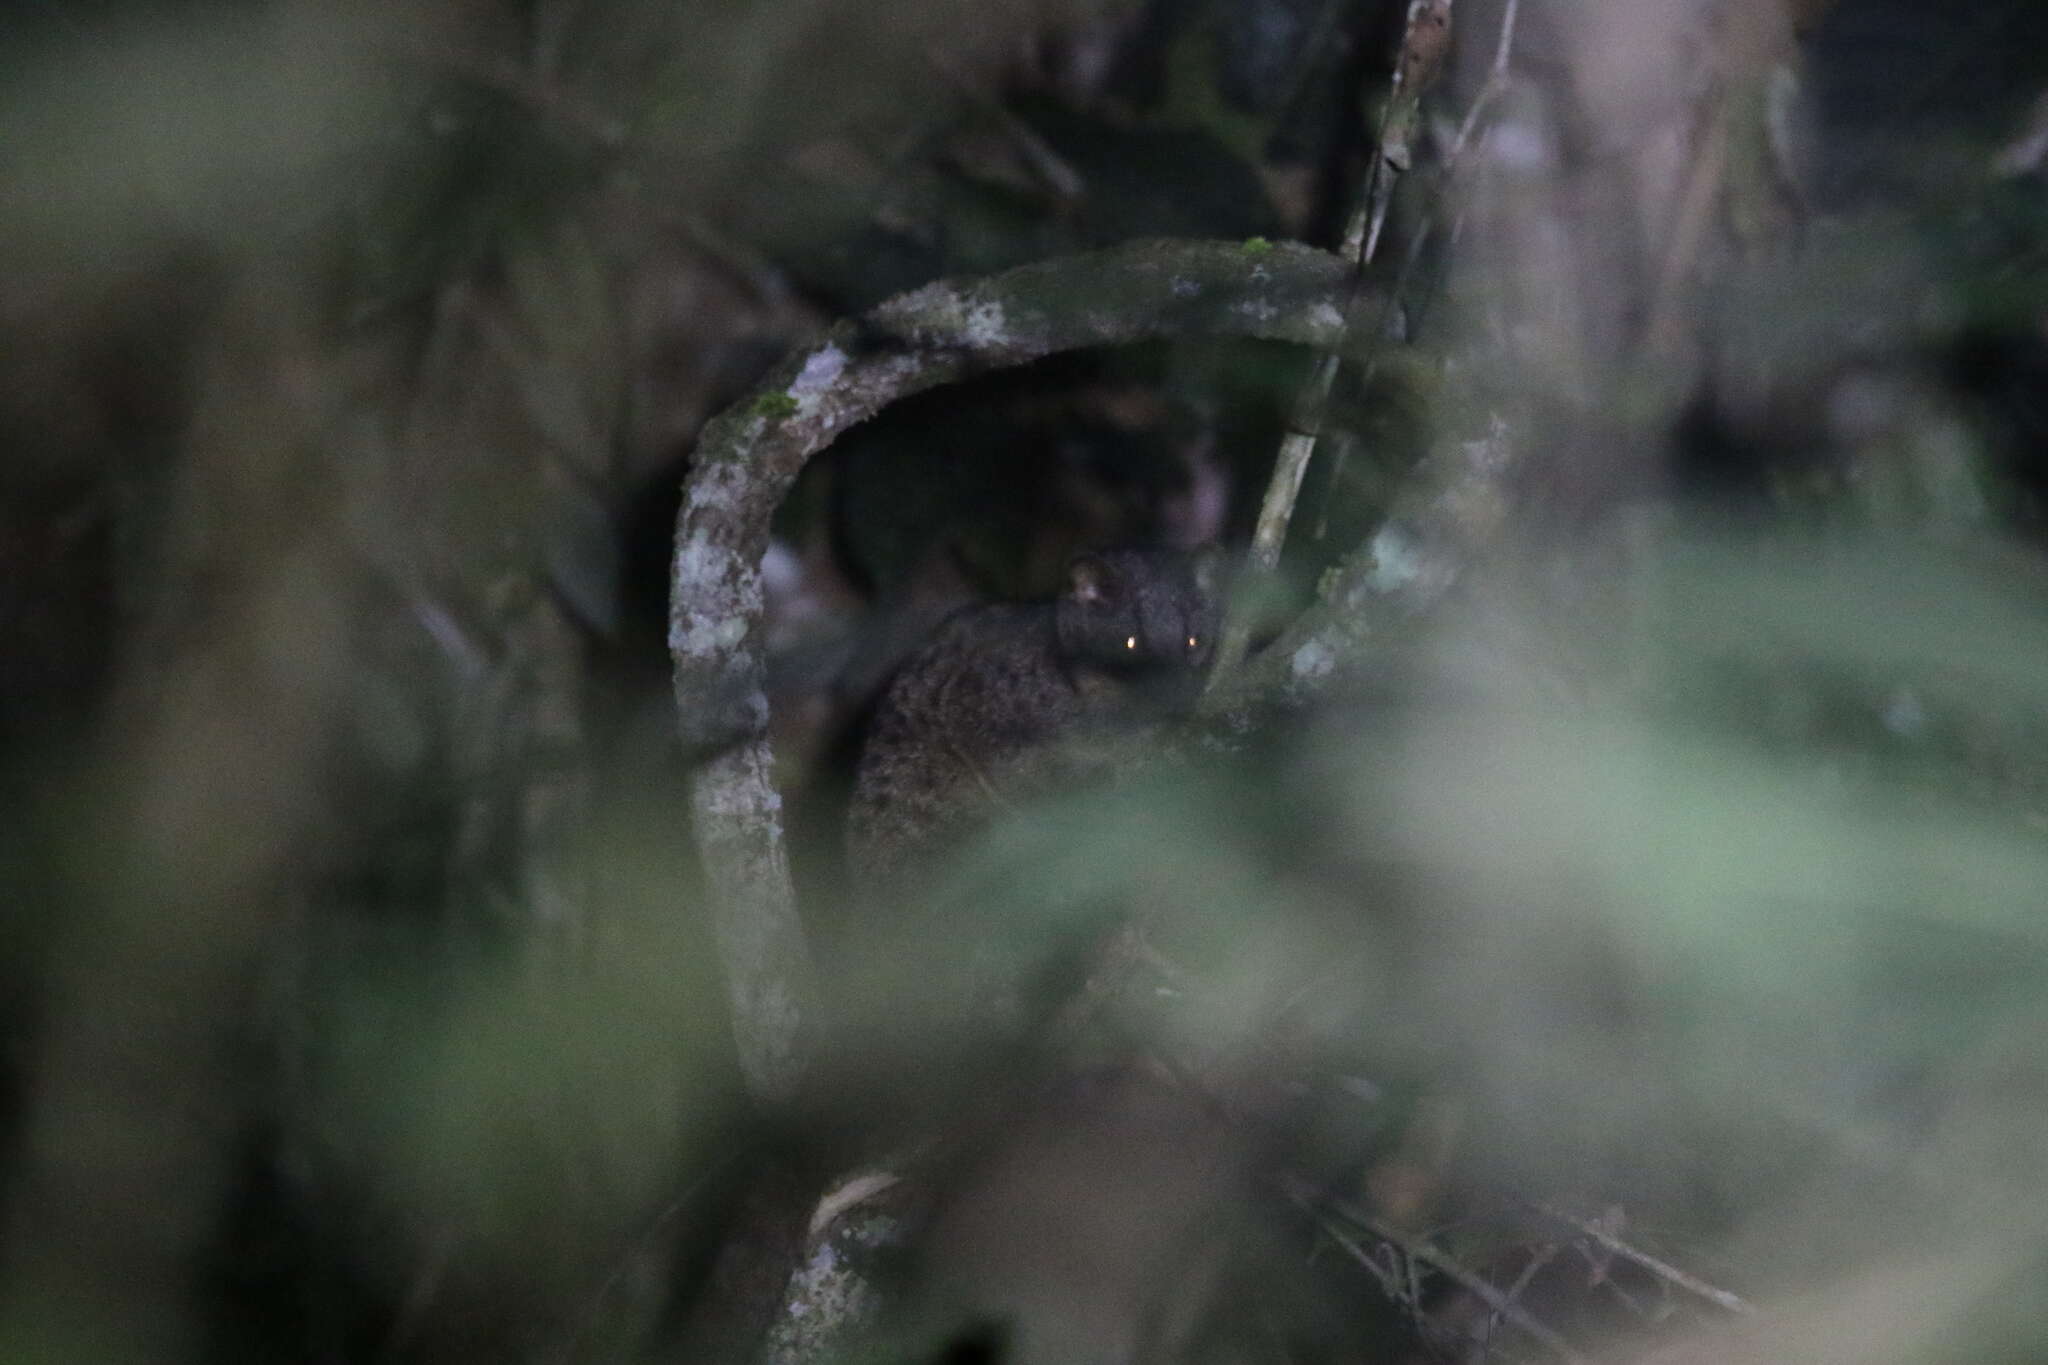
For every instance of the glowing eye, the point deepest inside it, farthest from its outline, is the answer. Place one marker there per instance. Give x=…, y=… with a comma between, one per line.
x=1192, y=641
x=1130, y=642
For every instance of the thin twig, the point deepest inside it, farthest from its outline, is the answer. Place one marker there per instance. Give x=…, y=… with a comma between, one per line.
x=1545, y=1254
x=1423, y=44
x=1489, y=91
x=1442, y=1262
x=1496, y=81
x=1720, y=1298
x=1390, y=1283
x=1054, y=171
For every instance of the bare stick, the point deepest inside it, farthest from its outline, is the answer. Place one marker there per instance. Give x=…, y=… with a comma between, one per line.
x=1664, y=1270
x=1496, y=81
x=1423, y=44
x=1544, y=1256
x=1416, y=1249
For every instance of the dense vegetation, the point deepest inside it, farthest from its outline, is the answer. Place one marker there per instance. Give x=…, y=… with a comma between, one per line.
x=465, y=468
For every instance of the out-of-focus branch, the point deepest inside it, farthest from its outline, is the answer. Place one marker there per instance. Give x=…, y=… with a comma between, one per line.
x=1482, y=103
x=1496, y=81
x=750, y=454
x=208, y=798
x=1663, y=1270
x=1490, y=91
x=1452, y=511
x=1423, y=45
x=1334, y=1216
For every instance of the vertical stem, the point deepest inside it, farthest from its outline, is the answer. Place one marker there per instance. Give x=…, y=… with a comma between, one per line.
x=1423, y=44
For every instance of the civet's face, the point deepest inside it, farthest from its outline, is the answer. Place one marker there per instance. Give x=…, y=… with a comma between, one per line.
x=1140, y=612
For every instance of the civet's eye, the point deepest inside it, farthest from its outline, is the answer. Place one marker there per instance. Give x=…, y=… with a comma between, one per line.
x=1130, y=642
x=1193, y=641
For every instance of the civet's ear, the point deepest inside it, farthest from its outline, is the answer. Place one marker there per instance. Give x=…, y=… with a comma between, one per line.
x=1090, y=580
x=1208, y=567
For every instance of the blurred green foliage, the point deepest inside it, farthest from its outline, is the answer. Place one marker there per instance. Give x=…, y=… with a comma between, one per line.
x=353, y=961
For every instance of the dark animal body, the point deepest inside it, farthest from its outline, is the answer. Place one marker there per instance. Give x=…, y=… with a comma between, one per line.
x=1008, y=700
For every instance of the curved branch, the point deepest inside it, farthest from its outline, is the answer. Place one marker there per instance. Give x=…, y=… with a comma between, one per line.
x=749, y=455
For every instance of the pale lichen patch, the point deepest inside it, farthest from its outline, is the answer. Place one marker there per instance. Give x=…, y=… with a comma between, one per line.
x=702, y=568
x=830, y=1303
x=894, y=372
x=985, y=325
x=1396, y=562
x=820, y=372
x=706, y=637
x=719, y=490
x=937, y=297
x=1409, y=566
x=1313, y=661
x=1261, y=312
x=943, y=311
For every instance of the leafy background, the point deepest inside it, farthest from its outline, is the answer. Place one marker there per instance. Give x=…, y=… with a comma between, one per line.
x=1680, y=878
